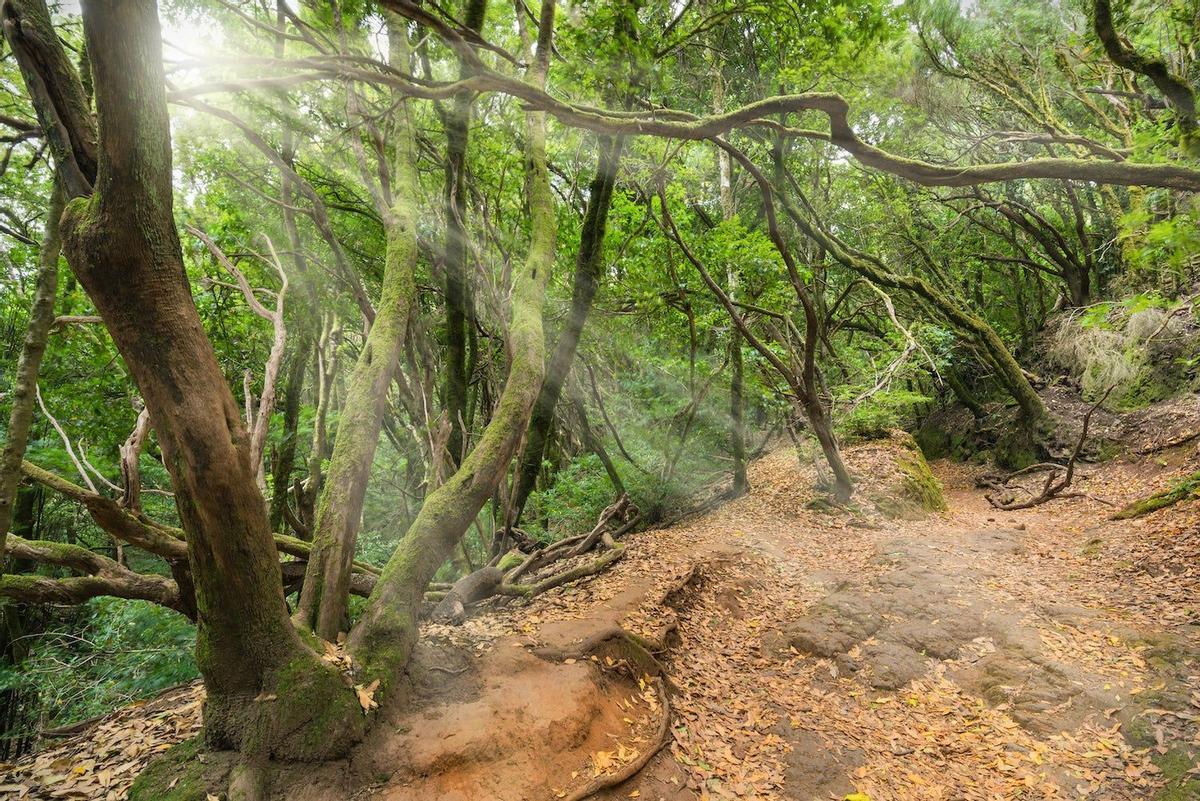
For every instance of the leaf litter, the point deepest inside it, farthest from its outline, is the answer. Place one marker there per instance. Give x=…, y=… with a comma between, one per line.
x=739, y=707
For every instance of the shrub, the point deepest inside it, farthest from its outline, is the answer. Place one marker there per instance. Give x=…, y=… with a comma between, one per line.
x=120, y=651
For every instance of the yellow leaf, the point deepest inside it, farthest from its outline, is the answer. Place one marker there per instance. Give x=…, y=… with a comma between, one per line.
x=366, y=695
x=601, y=761
x=857, y=797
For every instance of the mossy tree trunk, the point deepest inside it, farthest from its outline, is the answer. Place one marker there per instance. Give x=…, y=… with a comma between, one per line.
x=120, y=239
x=24, y=390
x=284, y=460
x=326, y=592
x=384, y=637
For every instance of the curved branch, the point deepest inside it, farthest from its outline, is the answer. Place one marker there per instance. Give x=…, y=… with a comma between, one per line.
x=675, y=124
x=1176, y=89
x=105, y=577
x=121, y=523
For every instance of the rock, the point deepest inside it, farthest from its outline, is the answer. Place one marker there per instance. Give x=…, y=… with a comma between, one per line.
x=892, y=665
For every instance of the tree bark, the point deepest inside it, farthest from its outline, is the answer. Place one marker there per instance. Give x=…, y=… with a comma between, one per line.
x=384, y=637
x=285, y=456
x=123, y=246
x=41, y=318
x=458, y=295
x=324, y=599
x=589, y=263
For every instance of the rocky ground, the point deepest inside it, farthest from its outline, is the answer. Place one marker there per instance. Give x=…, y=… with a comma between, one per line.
x=810, y=653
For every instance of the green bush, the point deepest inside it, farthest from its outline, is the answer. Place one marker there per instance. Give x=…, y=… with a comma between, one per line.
x=115, y=652
x=878, y=415
x=571, y=505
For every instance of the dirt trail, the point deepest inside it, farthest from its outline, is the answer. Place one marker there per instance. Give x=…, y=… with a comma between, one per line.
x=975, y=654
x=971, y=654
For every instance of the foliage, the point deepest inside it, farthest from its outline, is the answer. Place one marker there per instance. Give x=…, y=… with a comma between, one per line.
x=1089, y=275
x=110, y=653
x=880, y=414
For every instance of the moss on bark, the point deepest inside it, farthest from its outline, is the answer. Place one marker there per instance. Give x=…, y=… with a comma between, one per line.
x=177, y=775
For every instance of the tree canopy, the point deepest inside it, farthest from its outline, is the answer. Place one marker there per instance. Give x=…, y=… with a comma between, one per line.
x=314, y=310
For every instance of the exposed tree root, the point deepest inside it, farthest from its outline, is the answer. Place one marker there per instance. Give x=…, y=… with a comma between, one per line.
x=616, y=644
x=1053, y=487
x=249, y=780
x=661, y=738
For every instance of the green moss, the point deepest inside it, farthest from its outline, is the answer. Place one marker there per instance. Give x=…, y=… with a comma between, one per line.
x=1187, y=487
x=935, y=443
x=315, y=709
x=1016, y=450
x=1176, y=765
x=1144, y=390
x=176, y=775
x=918, y=482
x=511, y=560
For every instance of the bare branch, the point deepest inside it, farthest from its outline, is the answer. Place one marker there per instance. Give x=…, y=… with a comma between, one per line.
x=65, y=439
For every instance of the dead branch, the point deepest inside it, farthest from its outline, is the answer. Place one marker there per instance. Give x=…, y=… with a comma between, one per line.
x=64, y=320
x=1052, y=487
x=65, y=439
x=131, y=451
x=619, y=518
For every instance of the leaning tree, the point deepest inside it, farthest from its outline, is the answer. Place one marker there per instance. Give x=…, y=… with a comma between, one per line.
x=114, y=172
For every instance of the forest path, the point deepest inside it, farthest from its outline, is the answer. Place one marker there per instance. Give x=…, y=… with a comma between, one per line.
x=974, y=654
x=1046, y=653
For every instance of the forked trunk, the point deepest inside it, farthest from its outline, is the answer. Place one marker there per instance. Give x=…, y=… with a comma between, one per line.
x=120, y=238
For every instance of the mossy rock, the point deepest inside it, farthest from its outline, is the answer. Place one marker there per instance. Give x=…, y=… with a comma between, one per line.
x=178, y=774
x=917, y=491
x=935, y=443
x=919, y=482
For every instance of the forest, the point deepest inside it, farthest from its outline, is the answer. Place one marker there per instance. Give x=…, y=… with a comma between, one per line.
x=572, y=399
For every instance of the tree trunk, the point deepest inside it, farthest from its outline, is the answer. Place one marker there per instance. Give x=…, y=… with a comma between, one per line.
x=326, y=593
x=24, y=391
x=384, y=637
x=458, y=296
x=737, y=413
x=124, y=248
x=588, y=268
x=285, y=455
x=963, y=394
x=818, y=418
